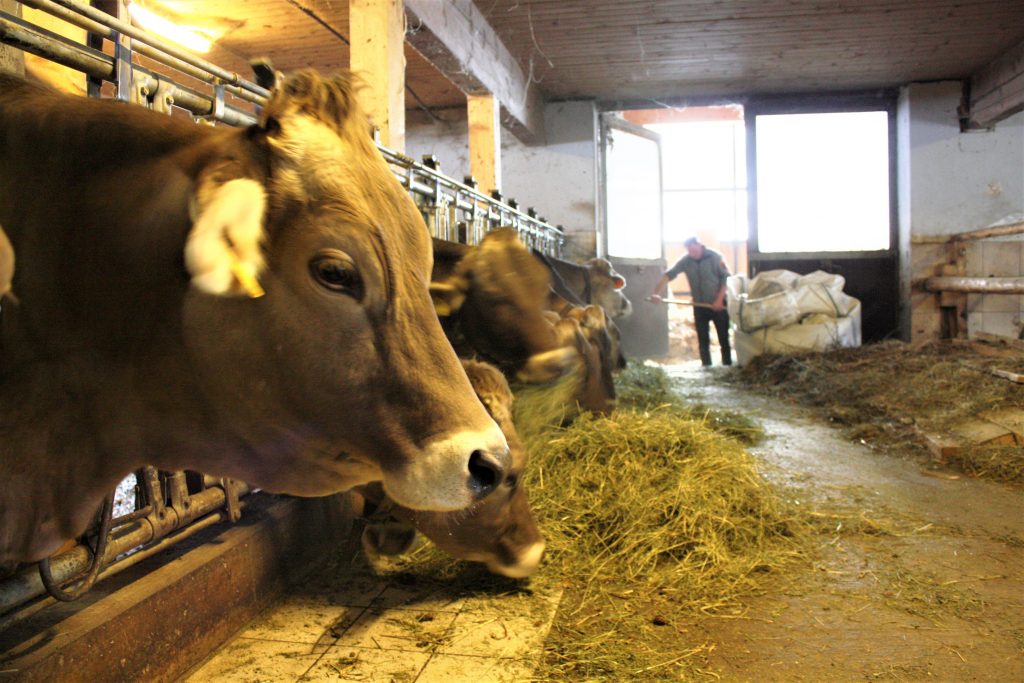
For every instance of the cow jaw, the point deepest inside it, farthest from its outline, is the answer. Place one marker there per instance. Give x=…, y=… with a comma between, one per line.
x=526, y=564
x=442, y=477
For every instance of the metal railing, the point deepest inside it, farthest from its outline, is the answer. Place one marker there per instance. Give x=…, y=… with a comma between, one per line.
x=454, y=211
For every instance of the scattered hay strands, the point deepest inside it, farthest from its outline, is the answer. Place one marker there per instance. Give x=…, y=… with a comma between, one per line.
x=889, y=395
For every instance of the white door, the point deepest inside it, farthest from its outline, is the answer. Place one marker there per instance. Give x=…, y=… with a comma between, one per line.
x=632, y=237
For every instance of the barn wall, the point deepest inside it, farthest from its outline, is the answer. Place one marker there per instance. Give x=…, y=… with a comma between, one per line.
x=955, y=182
x=558, y=178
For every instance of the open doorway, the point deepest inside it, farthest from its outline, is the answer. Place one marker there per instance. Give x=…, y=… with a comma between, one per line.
x=704, y=195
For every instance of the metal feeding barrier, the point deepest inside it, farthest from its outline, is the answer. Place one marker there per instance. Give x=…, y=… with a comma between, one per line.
x=162, y=508
x=454, y=211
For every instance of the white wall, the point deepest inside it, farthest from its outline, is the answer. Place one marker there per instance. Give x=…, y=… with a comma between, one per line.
x=953, y=182
x=557, y=178
x=960, y=181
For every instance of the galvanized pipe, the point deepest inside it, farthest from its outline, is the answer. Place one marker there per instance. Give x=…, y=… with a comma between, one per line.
x=26, y=584
x=73, y=17
x=228, y=77
x=976, y=285
x=94, y=63
x=24, y=36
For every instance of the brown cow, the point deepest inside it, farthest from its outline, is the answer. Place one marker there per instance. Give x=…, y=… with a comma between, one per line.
x=594, y=282
x=133, y=341
x=499, y=530
x=491, y=299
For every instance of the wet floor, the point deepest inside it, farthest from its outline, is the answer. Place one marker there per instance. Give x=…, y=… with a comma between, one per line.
x=930, y=587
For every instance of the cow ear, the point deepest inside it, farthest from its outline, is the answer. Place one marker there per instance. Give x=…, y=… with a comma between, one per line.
x=448, y=296
x=6, y=264
x=224, y=249
x=618, y=282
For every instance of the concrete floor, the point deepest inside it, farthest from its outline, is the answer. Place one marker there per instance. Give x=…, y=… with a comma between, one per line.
x=341, y=626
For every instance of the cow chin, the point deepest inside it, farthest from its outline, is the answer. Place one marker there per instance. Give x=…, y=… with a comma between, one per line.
x=526, y=564
x=447, y=475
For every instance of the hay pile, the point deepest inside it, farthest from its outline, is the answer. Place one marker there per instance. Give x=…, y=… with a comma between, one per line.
x=651, y=518
x=653, y=515
x=891, y=395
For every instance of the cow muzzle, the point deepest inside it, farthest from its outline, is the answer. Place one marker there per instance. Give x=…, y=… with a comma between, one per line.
x=453, y=472
x=526, y=564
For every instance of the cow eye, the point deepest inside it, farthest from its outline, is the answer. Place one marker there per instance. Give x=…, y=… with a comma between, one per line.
x=335, y=271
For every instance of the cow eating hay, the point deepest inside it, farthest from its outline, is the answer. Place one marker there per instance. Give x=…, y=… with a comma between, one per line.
x=133, y=341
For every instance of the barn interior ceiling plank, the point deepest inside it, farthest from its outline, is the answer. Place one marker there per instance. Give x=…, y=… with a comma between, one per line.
x=636, y=51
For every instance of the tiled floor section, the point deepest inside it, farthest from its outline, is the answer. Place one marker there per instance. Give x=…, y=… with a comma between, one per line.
x=367, y=628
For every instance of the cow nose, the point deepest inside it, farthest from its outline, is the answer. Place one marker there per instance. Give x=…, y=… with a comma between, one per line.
x=487, y=470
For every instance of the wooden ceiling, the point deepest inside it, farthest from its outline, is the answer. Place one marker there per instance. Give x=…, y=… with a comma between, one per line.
x=637, y=51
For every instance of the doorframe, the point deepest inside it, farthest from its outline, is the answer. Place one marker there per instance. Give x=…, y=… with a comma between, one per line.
x=610, y=121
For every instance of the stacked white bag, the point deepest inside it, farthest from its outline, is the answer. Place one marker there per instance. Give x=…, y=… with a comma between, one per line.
x=779, y=311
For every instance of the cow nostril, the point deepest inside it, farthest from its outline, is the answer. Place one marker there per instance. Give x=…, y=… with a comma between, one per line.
x=486, y=472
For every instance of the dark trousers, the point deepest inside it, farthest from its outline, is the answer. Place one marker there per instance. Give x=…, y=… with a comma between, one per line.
x=703, y=317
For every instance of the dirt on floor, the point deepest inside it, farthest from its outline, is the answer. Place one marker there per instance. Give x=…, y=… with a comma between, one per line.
x=918, y=575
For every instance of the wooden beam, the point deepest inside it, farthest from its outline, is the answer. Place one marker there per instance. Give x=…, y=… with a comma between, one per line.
x=997, y=89
x=455, y=38
x=484, y=141
x=377, y=31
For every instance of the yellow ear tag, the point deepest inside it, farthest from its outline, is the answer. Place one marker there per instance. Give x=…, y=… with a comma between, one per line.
x=245, y=278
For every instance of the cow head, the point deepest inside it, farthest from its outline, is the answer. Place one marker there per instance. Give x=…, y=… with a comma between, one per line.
x=499, y=290
x=606, y=287
x=499, y=530
x=339, y=373
x=587, y=327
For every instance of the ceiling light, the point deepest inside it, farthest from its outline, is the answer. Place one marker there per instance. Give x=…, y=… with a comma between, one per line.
x=187, y=37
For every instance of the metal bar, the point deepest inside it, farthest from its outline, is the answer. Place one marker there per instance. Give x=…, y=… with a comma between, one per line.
x=32, y=39
x=127, y=29
x=95, y=28
x=195, y=527
x=984, y=233
x=27, y=585
x=123, y=58
x=976, y=285
x=25, y=36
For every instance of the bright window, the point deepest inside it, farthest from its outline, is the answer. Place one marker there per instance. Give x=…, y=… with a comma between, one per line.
x=704, y=179
x=823, y=182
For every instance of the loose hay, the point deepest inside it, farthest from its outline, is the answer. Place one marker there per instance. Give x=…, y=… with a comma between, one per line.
x=654, y=516
x=889, y=395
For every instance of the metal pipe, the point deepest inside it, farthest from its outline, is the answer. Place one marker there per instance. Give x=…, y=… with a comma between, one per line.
x=34, y=40
x=985, y=233
x=24, y=36
x=976, y=285
x=73, y=17
x=127, y=29
x=205, y=522
x=26, y=584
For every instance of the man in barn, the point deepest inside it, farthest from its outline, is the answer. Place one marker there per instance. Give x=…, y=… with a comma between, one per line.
x=706, y=272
